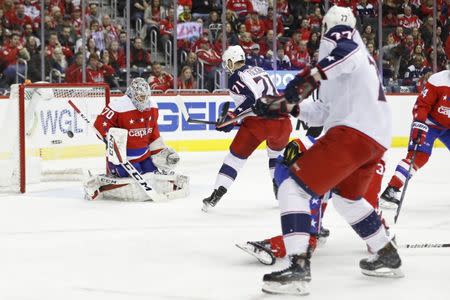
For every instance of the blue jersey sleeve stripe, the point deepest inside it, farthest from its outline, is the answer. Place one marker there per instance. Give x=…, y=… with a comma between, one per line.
x=340, y=54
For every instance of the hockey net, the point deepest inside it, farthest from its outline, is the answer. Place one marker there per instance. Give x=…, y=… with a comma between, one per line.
x=37, y=125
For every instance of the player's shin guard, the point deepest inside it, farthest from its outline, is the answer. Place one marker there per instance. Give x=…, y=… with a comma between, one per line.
x=364, y=220
x=295, y=216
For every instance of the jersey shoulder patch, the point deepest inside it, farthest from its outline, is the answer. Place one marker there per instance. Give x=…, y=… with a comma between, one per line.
x=440, y=79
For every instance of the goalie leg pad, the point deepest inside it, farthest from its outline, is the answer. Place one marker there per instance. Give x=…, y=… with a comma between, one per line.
x=172, y=186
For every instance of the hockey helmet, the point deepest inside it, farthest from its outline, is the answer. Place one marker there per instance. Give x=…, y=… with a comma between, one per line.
x=338, y=15
x=231, y=56
x=139, y=93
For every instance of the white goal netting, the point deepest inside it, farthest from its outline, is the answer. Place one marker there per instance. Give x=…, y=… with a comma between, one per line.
x=36, y=123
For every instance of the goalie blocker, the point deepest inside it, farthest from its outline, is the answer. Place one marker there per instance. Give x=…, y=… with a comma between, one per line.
x=157, y=172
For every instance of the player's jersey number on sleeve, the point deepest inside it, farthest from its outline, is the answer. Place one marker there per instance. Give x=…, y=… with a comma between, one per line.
x=108, y=113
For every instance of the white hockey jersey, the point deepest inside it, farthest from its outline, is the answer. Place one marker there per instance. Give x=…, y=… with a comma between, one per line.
x=352, y=94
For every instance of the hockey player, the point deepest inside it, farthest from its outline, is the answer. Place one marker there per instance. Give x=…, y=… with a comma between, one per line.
x=131, y=120
x=268, y=250
x=357, y=126
x=431, y=121
x=247, y=84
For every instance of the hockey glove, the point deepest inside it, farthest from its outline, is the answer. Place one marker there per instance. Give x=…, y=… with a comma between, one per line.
x=301, y=86
x=230, y=115
x=271, y=107
x=292, y=152
x=418, y=132
x=295, y=112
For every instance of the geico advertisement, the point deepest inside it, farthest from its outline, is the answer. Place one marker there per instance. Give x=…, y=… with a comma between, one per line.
x=52, y=120
x=174, y=126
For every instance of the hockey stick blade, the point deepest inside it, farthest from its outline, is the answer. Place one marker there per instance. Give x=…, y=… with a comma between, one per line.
x=223, y=112
x=425, y=245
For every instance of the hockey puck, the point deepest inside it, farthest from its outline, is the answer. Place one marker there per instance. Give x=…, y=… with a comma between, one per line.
x=70, y=134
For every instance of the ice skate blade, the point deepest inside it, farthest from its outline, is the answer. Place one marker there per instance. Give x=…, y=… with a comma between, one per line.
x=384, y=272
x=387, y=205
x=262, y=256
x=298, y=288
x=321, y=241
x=205, y=207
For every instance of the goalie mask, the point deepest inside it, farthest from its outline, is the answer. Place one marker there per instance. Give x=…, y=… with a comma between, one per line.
x=139, y=93
x=338, y=15
x=231, y=56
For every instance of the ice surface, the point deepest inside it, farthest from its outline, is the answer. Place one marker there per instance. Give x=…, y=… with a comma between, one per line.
x=55, y=245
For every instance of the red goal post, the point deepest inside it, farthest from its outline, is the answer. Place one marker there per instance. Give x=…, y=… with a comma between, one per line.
x=37, y=120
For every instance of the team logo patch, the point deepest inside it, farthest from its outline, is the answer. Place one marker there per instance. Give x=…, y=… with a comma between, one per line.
x=140, y=132
x=444, y=110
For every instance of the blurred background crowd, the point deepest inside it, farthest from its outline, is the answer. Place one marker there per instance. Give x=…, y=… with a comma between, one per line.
x=178, y=44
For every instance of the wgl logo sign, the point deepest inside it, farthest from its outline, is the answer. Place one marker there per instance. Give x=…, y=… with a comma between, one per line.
x=59, y=121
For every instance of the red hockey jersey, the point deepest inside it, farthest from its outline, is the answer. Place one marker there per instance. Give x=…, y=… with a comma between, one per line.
x=433, y=104
x=143, y=131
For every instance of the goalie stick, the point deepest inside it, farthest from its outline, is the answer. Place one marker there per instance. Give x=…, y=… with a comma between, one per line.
x=129, y=168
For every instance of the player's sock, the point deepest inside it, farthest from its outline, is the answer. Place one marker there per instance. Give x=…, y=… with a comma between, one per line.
x=277, y=246
x=295, y=216
x=363, y=219
x=229, y=170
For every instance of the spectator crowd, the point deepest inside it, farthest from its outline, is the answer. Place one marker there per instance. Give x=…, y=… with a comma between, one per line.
x=408, y=50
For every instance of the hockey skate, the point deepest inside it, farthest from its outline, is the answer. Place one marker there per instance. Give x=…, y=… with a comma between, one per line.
x=389, y=198
x=324, y=233
x=260, y=250
x=212, y=200
x=293, y=280
x=385, y=263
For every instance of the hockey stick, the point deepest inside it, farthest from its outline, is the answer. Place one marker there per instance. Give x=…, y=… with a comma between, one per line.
x=246, y=113
x=413, y=158
x=129, y=168
x=184, y=112
x=425, y=245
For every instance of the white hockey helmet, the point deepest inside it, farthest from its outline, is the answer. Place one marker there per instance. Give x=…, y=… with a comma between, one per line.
x=139, y=93
x=231, y=56
x=338, y=15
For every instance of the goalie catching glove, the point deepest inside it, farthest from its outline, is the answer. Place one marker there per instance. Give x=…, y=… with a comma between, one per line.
x=166, y=159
